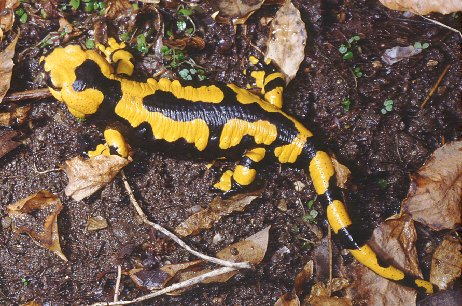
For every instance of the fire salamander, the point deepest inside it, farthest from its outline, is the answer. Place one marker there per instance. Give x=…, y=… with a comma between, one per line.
x=212, y=120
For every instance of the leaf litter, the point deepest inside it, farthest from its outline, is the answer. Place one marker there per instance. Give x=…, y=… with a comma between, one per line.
x=446, y=262
x=286, y=44
x=424, y=7
x=6, y=66
x=435, y=195
x=37, y=215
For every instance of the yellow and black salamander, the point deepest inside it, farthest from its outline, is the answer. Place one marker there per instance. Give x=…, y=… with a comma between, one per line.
x=210, y=120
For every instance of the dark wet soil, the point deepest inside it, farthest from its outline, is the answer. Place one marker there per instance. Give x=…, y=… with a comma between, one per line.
x=381, y=150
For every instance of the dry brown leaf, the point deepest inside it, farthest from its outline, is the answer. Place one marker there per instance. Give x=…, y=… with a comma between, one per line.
x=252, y=249
x=286, y=45
x=303, y=277
x=288, y=299
x=86, y=176
x=6, y=142
x=31, y=303
x=342, y=173
x=329, y=301
x=96, y=223
x=435, y=195
x=446, y=262
x=149, y=279
x=397, y=237
x=424, y=7
x=117, y=7
x=16, y=116
x=194, y=42
x=6, y=67
x=236, y=10
x=217, y=209
x=37, y=215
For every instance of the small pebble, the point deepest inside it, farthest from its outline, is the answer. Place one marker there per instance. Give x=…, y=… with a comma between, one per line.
x=6, y=222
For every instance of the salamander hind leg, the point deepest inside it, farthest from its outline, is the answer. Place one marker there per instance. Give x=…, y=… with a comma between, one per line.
x=117, y=54
x=115, y=145
x=244, y=174
x=268, y=79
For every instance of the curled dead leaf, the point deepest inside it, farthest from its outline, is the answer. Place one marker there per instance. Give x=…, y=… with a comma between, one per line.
x=6, y=142
x=424, y=7
x=86, y=176
x=238, y=11
x=395, y=236
x=286, y=45
x=117, y=7
x=69, y=30
x=37, y=215
x=435, y=195
x=342, y=173
x=6, y=66
x=446, y=262
x=194, y=42
x=288, y=299
x=303, y=277
x=217, y=209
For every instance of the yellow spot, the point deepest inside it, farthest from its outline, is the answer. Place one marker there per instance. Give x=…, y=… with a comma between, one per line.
x=101, y=149
x=82, y=103
x=115, y=139
x=424, y=284
x=274, y=96
x=273, y=76
x=256, y=154
x=259, y=76
x=337, y=216
x=243, y=175
x=243, y=96
x=367, y=257
x=208, y=94
x=290, y=152
x=235, y=129
x=321, y=170
x=131, y=108
x=253, y=60
x=123, y=60
x=225, y=181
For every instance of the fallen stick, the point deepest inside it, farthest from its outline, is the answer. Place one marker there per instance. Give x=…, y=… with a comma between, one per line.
x=33, y=94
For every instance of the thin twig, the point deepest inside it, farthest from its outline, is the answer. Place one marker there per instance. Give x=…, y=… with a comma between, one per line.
x=234, y=265
x=442, y=25
x=34, y=94
x=45, y=171
x=432, y=91
x=117, y=286
x=181, y=285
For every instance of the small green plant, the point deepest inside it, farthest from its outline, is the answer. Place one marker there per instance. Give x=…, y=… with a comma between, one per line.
x=357, y=71
x=347, y=49
x=387, y=106
x=184, y=24
x=43, y=14
x=419, y=45
x=188, y=74
x=75, y=4
x=89, y=43
x=177, y=59
x=89, y=6
x=21, y=13
x=346, y=104
x=141, y=44
x=80, y=120
x=312, y=214
x=25, y=281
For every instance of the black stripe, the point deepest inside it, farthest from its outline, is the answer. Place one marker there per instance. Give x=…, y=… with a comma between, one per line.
x=352, y=237
x=277, y=82
x=409, y=281
x=332, y=193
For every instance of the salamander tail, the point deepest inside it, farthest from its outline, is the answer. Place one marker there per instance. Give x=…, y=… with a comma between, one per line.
x=323, y=176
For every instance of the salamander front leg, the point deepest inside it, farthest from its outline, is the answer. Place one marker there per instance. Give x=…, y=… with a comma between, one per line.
x=115, y=145
x=244, y=173
x=116, y=53
x=268, y=78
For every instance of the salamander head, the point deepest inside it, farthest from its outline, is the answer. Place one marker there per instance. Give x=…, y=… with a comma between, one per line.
x=61, y=67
